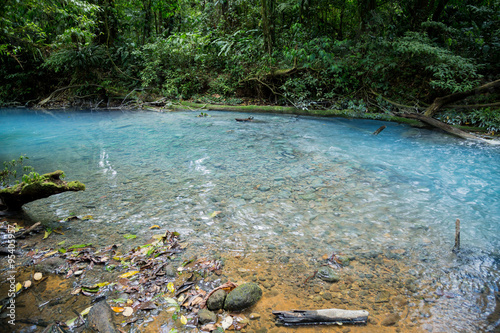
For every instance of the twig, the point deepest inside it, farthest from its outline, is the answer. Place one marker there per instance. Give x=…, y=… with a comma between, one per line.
x=310, y=277
x=26, y=231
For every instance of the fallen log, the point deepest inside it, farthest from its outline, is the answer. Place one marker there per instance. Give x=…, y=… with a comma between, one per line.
x=380, y=129
x=16, y=196
x=321, y=317
x=445, y=127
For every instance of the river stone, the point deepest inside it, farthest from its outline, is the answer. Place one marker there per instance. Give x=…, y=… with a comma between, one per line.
x=327, y=274
x=243, y=297
x=216, y=300
x=206, y=316
x=391, y=319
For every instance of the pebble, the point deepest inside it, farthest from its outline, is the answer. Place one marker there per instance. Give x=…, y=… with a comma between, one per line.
x=254, y=316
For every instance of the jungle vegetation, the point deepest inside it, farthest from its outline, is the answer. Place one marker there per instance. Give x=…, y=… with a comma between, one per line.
x=356, y=54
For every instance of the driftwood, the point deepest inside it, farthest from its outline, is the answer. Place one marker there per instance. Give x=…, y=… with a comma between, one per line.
x=380, y=129
x=246, y=119
x=456, y=248
x=321, y=317
x=442, y=101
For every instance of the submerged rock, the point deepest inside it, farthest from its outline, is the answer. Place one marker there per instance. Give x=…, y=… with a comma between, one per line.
x=243, y=297
x=100, y=318
x=206, y=316
x=327, y=274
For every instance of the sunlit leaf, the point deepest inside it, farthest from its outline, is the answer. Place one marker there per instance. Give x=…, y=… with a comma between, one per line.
x=47, y=233
x=117, y=309
x=71, y=322
x=18, y=286
x=50, y=253
x=170, y=287
x=154, y=227
x=183, y=320
x=129, y=236
x=128, y=274
x=61, y=243
x=86, y=311
x=102, y=284
x=215, y=213
x=79, y=246
x=62, y=250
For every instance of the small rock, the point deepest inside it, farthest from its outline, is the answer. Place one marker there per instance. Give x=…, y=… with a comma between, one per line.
x=382, y=297
x=254, y=316
x=316, y=289
x=327, y=274
x=327, y=296
x=206, y=316
x=317, y=298
x=243, y=297
x=216, y=300
x=391, y=319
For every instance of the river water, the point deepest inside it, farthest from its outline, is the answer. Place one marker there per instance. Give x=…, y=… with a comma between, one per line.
x=286, y=185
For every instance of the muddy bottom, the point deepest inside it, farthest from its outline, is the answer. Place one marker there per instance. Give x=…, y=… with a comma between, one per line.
x=380, y=285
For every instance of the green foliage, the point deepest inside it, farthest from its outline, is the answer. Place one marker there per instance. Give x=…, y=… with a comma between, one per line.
x=487, y=118
x=450, y=73
x=10, y=171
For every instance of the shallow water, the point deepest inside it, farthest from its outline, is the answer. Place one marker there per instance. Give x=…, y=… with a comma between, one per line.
x=286, y=185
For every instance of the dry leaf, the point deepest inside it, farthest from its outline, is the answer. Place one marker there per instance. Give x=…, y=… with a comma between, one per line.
x=27, y=284
x=117, y=309
x=86, y=311
x=128, y=274
x=227, y=322
x=127, y=312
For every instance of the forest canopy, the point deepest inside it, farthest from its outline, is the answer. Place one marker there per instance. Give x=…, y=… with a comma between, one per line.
x=306, y=53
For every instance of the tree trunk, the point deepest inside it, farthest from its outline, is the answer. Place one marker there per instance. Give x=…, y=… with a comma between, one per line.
x=442, y=101
x=439, y=124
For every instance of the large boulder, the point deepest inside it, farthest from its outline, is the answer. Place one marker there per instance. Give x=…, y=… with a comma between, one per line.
x=243, y=297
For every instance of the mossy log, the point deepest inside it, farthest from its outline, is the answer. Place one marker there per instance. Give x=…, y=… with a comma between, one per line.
x=14, y=197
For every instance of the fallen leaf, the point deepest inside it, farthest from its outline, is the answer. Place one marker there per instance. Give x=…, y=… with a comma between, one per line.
x=18, y=286
x=47, y=233
x=79, y=246
x=129, y=236
x=128, y=274
x=86, y=311
x=215, y=213
x=156, y=226
x=117, y=309
x=227, y=322
x=184, y=320
x=27, y=284
x=127, y=312
x=50, y=253
x=170, y=287
x=87, y=217
x=37, y=276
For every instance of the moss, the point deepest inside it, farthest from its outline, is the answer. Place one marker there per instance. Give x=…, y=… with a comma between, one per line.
x=42, y=187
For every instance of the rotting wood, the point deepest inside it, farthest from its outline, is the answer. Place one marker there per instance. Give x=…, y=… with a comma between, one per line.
x=380, y=129
x=456, y=248
x=321, y=317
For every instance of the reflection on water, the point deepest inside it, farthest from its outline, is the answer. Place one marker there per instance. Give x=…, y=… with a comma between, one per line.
x=296, y=187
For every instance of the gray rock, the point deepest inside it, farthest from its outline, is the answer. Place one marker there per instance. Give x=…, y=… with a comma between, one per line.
x=243, y=297
x=327, y=274
x=391, y=319
x=206, y=316
x=216, y=300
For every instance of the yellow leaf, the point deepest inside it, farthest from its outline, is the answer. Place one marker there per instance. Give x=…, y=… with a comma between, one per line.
x=47, y=233
x=117, y=309
x=50, y=253
x=102, y=284
x=71, y=322
x=156, y=226
x=128, y=274
x=215, y=213
x=130, y=302
x=18, y=286
x=86, y=311
x=88, y=217
x=183, y=320
x=170, y=287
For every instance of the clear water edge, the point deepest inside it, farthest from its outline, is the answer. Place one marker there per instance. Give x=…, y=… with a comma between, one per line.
x=300, y=184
